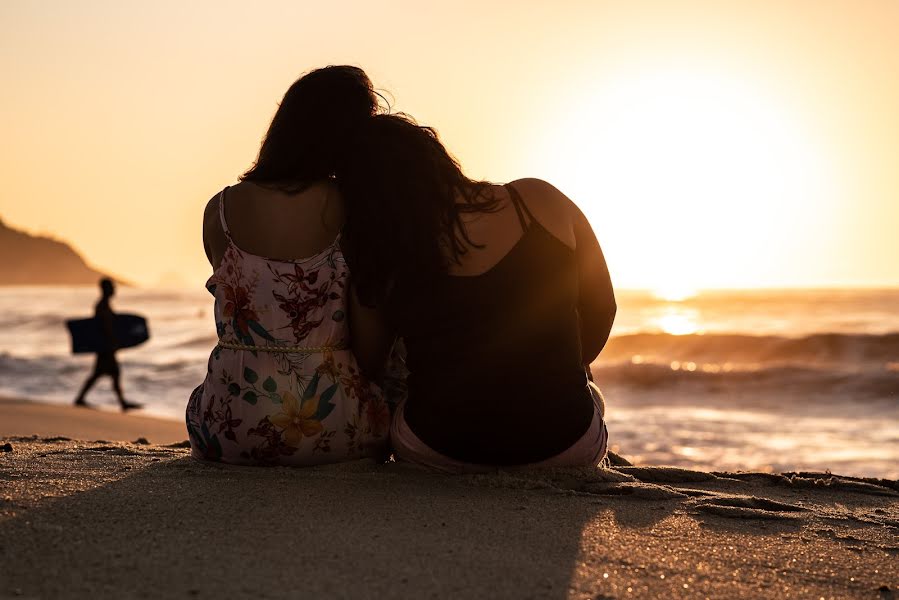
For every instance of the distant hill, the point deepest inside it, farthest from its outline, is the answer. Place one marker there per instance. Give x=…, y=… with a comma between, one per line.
x=34, y=260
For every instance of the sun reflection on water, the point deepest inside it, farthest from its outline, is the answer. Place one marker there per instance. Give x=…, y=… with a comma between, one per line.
x=678, y=321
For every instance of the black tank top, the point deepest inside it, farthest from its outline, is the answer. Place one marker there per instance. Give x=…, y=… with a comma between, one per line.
x=495, y=366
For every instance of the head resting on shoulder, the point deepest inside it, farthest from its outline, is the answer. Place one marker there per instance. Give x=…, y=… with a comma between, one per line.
x=404, y=194
x=312, y=122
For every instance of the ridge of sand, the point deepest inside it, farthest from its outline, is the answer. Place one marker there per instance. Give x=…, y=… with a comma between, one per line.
x=111, y=520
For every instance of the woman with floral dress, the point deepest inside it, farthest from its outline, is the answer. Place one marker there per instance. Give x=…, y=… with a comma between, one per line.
x=282, y=386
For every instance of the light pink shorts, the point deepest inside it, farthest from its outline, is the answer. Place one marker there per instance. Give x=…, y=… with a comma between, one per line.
x=587, y=451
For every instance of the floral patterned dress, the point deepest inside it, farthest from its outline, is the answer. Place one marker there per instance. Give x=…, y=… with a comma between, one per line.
x=282, y=387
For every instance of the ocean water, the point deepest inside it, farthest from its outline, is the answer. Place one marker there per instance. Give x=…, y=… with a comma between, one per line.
x=756, y=380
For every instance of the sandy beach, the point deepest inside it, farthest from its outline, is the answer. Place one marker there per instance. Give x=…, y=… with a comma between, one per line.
x=83, y=518
x=22, y=418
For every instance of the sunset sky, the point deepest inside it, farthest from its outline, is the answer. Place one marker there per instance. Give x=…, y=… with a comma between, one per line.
x=711, y=144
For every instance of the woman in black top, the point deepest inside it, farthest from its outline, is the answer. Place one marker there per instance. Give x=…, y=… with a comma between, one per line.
x=500, y=293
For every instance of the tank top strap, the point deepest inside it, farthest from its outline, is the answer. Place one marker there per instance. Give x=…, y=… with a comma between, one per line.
x=524, y=214
x=222, y=213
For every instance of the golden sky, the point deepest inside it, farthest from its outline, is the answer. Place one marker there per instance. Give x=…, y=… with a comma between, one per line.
x=711, y=144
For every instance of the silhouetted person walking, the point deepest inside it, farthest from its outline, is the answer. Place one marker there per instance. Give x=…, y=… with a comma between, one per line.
x=106, y=360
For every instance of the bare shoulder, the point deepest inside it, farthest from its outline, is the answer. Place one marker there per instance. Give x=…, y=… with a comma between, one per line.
x=555, y=211
x=540, y=190
x=213, y=233
x=534, y=184
x=211, y=212
x=212, y=224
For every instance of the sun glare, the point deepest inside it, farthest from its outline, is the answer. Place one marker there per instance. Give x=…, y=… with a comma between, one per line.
x=677, y=322
x=692, y=180
x=674, y=292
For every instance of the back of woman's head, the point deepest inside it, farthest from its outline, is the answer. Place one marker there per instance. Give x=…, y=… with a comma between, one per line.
x=404, y=195
x=311, y=125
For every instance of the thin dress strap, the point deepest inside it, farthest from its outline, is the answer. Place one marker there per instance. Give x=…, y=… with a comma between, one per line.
x=222, y=213
x=520, y=207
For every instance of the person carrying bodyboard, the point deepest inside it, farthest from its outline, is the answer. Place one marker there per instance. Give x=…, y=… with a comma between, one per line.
x=106, y=363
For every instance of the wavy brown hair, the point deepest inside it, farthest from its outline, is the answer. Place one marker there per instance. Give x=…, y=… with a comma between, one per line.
x=405, y=196
x=313, y=121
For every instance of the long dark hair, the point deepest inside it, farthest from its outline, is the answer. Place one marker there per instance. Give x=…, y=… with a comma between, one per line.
x=405, y=196
x=311, y=124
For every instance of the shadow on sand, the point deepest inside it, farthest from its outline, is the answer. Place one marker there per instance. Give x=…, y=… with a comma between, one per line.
x=147, y=521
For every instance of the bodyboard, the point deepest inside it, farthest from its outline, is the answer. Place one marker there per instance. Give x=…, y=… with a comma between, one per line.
x=87, y=334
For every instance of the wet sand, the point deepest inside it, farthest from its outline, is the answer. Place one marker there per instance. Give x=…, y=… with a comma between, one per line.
x=90, y=519
x=20, y=417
